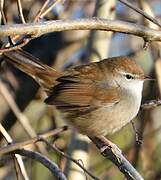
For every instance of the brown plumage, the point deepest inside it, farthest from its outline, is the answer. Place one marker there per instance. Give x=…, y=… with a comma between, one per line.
x=43, y=74
x=89, y=96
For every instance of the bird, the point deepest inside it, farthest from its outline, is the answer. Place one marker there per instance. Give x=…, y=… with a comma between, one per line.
x=97, y=99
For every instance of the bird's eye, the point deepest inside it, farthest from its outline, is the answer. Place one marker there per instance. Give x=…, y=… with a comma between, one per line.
x=129, y=77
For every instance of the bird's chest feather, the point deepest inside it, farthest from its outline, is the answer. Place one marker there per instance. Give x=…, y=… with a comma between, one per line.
x=123, y=112
x=106, y=119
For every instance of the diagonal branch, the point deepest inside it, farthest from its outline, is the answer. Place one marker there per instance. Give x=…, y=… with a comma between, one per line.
x=147, y=16
x=118, y=159
x=16, y=157
x=53, y=167
x=14, y=146
x=54, y=148
x=50, y=8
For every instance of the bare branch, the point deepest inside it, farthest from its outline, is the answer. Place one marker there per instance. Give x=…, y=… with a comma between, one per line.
x=20, y=11
x=20, y=145
x=5, y=134
x=19, y=115
x=57, y=173
x=118, y=159
x=50, y=8
x=54, y=148
x=147, y=16
x=2, y=12
x=41, y=10
x=16, y=46
x=151, y=104
x=16, y=157
x=38, y=29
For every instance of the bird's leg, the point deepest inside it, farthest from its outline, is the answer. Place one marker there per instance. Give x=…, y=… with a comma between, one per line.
x=137, y=138
x=109, y=144
x=103, y=144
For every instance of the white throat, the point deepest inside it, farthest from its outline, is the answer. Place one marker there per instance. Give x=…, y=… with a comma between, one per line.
x=133, y=98
x=135, y=87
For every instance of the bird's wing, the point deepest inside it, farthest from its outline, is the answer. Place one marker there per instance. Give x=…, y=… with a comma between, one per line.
x=43, y=74
x=79, y=88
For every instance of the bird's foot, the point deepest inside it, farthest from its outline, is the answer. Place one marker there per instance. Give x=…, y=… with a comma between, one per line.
x=108, y=144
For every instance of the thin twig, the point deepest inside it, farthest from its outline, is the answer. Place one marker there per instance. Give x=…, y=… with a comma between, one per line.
x=4, y=19
x=50, y=8
x=5, y=134
x=54, y=148
x=20, y=116
x=151, y=104
x=24, y=40
x=16, y=166
x=37, y=17
x=13, y=147
x=20, y=145
x=146, y=7
x=16, y=46
x=20, y=11
x=3, y=16
x=147, y=16
x=16, y=156
x=24, y=121
x=53, y=167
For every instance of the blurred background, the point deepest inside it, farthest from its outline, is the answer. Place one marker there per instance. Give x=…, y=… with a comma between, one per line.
x=63, y=50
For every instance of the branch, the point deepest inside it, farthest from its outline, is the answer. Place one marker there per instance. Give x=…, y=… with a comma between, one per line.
x=118, y=159
x=50, y=8
x=13, y=148
x=16, y=157
x=20, y=11
x=19, y=115
x=54, y=148
x=147, y=16
x=53, y=167
x=20, y=145
x=37, y=17
x=151, y=104
x=38, y=29
x=23, y=120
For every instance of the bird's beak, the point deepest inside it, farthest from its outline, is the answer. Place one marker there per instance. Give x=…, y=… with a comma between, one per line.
x=147, y=78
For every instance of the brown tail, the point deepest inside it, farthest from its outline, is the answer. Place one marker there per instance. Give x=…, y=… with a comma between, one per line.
x=43, y=74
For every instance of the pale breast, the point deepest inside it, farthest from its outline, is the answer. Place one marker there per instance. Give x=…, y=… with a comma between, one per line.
x=107, y=119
